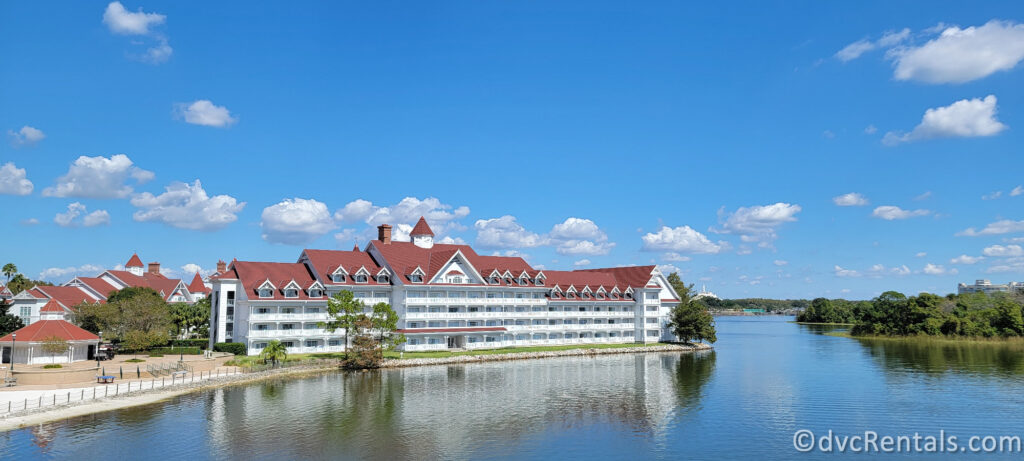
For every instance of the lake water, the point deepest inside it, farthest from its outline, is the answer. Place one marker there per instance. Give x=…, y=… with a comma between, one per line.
x=766, y=379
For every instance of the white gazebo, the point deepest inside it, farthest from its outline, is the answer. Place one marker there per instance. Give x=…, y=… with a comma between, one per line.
x=26, y=345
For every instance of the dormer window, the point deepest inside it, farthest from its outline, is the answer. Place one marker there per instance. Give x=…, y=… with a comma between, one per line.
x=586, y=295
x=315, y=293
x=338, y=278
x=508, y=280
x=629, y=295
x=493, y=280
x=524, y=281
x=266, y=293
x=570, y=295
x=383, y=278
x=455, y=279
x=539, y=281
x=291, y=293
x=416, y=278
x=361, y=278
x=555, y=295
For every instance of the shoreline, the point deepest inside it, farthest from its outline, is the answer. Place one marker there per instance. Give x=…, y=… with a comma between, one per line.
x=51, y=414
x=995, y=341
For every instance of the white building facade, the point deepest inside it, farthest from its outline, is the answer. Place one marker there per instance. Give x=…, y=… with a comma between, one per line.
x=986, y=286
x=446, y=296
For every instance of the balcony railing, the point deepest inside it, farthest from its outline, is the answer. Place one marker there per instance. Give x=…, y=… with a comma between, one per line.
x=520, y=343
x=296, y=333
x=270, y=316
x=474, y=301
x=531, y=314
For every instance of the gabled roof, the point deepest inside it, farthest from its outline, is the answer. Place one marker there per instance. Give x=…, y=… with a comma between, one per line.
x=326, y=262
x=42, y=329
x=98, y=285
x=157, y=282
x=66, y=296
x=632, y=276
x=253, y=274
x=404, y=257
x=197, y=285
x=51, y=306
x=421, y=228
x=134, y=261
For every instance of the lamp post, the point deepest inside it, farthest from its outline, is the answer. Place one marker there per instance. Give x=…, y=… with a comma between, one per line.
x=98, y=346
x=14, y=346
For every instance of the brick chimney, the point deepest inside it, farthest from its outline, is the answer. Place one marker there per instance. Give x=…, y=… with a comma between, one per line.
x=154, y=268
x=222, y=266
x=384, y=233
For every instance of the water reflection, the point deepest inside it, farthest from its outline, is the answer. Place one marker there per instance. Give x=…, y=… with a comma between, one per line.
x=692, y=372
x=939, y=357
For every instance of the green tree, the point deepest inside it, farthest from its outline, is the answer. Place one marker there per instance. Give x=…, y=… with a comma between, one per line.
x=384, y=320
x=275, y=351
x=191, y=319
x=140, y=311
x=9, y=270
x=343, y=310
x=366, y=351
x=684, y=291
x=691, y=321
x=139, y=340
x=19, y=283
x=8, y=321
x=54, y=345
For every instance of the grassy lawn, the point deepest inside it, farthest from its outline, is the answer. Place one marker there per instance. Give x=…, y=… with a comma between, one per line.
x=1015, y=341
x=252, y=360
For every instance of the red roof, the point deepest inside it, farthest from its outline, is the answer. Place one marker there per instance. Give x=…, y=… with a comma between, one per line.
x=67, y=296
x=39, y=331
x=134, y=261
x=421, y=228
x=450, y=330
x=253, y=274
x=630, y=276
x=157, y=282
x=197, y=285
x=51, y=306
x=325, y=262
x=405, y=257
x=101, y=286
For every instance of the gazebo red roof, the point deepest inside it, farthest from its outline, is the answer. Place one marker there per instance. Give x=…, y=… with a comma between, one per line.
x=39, y=331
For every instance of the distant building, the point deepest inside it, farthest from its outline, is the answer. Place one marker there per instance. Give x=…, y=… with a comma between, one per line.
x=28, y=346
x=704, y=293
x=986, y=286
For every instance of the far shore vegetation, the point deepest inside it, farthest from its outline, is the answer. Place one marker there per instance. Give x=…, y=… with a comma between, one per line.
x=970, y=316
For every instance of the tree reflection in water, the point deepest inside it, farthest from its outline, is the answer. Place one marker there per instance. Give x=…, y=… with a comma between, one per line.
x=996, y=358
x=693, y=371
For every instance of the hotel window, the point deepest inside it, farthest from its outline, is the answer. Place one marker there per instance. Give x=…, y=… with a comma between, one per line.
x=262, y=310
x=570, y=295
x=288, y=326
x=539, y=281
x=652, y=295
x=259, y=345
x=652, y=332
x=288, y=343
x=582, y=309
x=433, y=341
x=416, y=278
x=472, y=339
x=586, y=295
x=310, y=326
x=629, y=295
x=383, y=278
x=453, y=309
x=361, y=278
x=338, y=278
x=473, y=323
x=334, y=342
x=490, y=339
x=652, y=320
x=262, y=327
x=266, y=293
x=492, y=280
x=310, y=343
x=414, y=324
x=287, y=310
x=474, y=309
x=524, y=281
x=291, y=293
x=413, y=341
x=455, y=279
x=315, y=293
x=417, y=294
x=508, y=280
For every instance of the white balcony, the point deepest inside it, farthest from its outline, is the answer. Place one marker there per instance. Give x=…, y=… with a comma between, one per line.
x=475, y=301
x=527, y=314
x=273, y=317
x=296, y=333
x=369, y=302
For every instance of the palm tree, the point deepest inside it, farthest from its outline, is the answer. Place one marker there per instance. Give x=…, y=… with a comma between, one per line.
x=274, y=351
x=9, y=270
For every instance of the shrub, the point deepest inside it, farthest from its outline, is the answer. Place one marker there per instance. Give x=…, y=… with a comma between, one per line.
x=200, y=343
x=53, y=365
x=175, y=351
x=234, y=348
x=134, y=360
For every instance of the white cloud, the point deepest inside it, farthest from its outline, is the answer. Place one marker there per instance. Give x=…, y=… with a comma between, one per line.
x=122, y=21
x=584, y=247
x=681, y=239
x=1017, y=191
x=505, y=232
x=1010, y=265
x=190, y=270
x=668, y=269
x=442, y=218
x=26, y=136
x=961, y=55
x=965, y=259
x=187, y=206
x=966, y=118
x=923, y=196
x=158, y=53
x=757, y=223
x=851, y=199
x=452, y=241
x=856, y=49
x=780, y=262
x=63, y=274
x=870, y=129
x=354, y=211
x=880, y=270
x=932, y=269
x=98, y=177
x=70, y=217
x=206, y=113
x=296, y=221
x=889, y=213
x=581, y=263
x=1004, y=226
x=1003, y=251
x=840, y=272
x=579, y=236
x=30, y=222
x=13, y=180
x=920, y=254
x=993, y=195
x=676, y=257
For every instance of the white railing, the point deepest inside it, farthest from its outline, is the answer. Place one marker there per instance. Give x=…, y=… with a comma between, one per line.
x=290, y=333
x=475, y=301
x=571, y=326
x=304, y=350
x=531, y=314
x=270, y=316
x=369, y=302
x=520, y=343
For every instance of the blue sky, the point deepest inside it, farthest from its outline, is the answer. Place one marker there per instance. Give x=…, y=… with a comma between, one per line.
x=715, y=139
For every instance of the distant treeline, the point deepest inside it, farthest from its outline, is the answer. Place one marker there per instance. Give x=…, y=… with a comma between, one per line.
x=895, y=314
x=770, y=305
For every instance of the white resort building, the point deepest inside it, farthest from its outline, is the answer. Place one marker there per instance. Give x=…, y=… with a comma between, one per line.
x=986, y=286
x=447, y=297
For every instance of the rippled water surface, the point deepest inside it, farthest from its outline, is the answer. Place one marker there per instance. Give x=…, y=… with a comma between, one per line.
x=766, y=379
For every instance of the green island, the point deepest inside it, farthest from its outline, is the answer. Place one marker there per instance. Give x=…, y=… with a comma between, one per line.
x=975, y=317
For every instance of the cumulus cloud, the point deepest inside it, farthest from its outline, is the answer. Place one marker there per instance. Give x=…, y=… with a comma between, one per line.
x=63, y=274
x=13, y=180
x=841, y=272
x=966, y=118
x=668, y=269
x=30, y=222
x=1004, y=226
x=889, y=213
x=26, y=136
x=965, y=259
x=920, y=254
x=296, y=221
x=961, y=55
x=1017, y=191
x=579, y=236
x=858, y=48
x=780, y=262
x=682, y=239
x=140, y=24
x=1003, y=251
x=191, y=269
x=506, y=232
x=757, y=223
x=880, y=270
x=204, y=112
x=851, y=199
x=993, y=195
x=187, y=206
x=442, y=218
x=933, y=269
x=98, y=177
x=75, y=210
x=676, y=257
x=581, y=263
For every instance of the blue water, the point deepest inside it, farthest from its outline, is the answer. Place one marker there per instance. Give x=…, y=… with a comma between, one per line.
x=766, y=379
